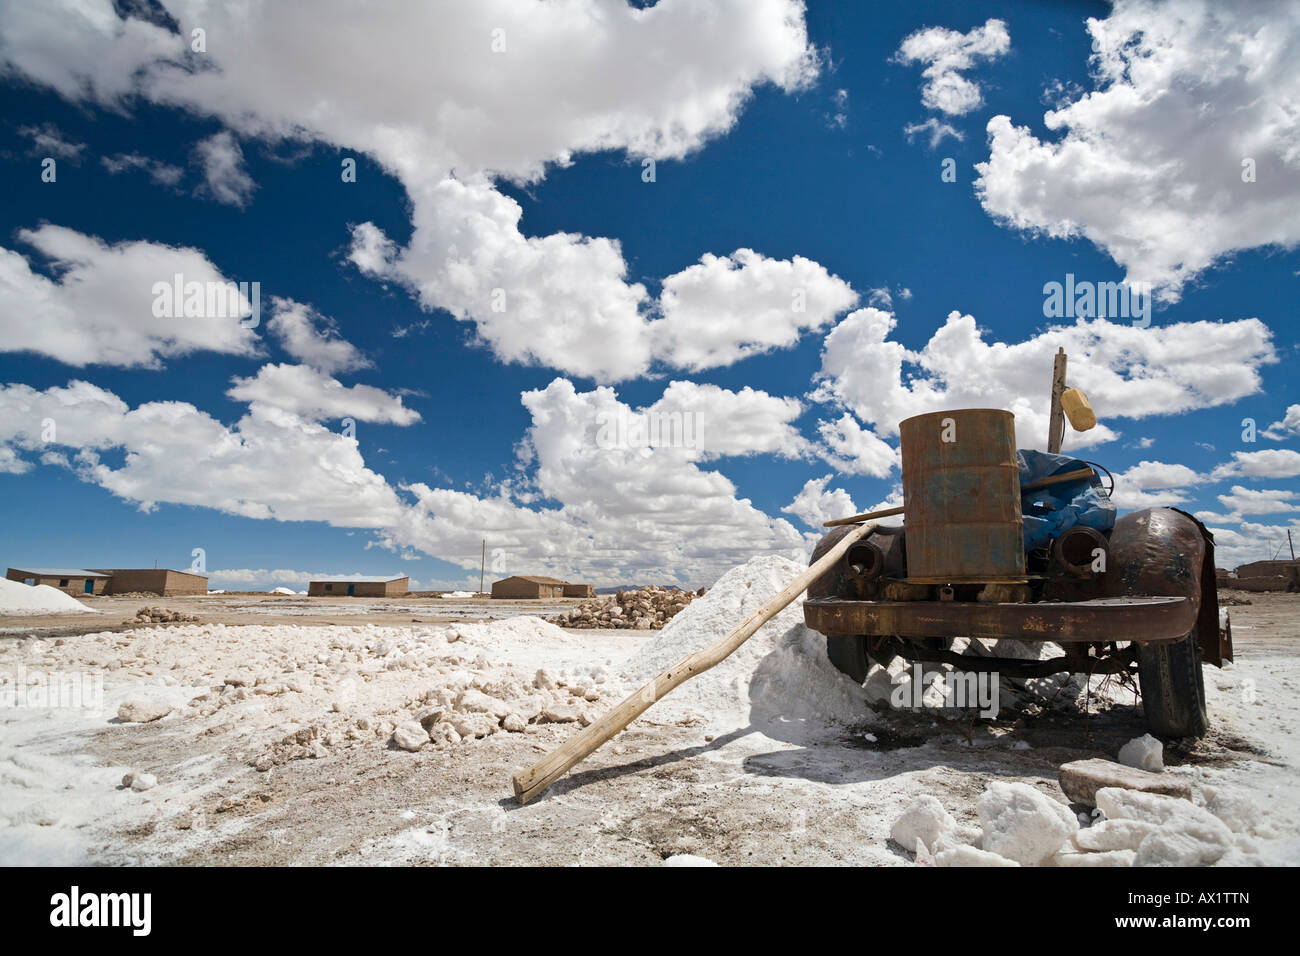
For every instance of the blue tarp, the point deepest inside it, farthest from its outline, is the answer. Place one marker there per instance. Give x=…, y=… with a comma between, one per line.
x=1056, y=508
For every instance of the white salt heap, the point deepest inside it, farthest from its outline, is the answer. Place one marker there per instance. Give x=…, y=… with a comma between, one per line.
x=1108, y=835
x=926, y=820
x=781, y=673
x=1022, y=824
x=1145, y=753
x=19, y=598
x=970, y=856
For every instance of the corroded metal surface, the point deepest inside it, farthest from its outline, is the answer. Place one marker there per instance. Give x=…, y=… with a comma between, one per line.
x=841, y=581
x=1167, y=551
x=1148, y=619
x=961, y=495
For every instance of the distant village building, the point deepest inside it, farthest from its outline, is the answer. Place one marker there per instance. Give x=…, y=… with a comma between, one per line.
x=529, y=586
x=163, y=582
x=393, y=585
x=1265, y=576
x=579, y=590
x=71, y=581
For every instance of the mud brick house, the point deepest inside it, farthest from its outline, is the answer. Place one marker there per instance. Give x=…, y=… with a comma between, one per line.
x=528, y=586
x=69, y=580
x=394, y=585
x=164, y=582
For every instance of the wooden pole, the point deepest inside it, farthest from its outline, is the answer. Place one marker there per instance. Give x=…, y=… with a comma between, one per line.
x=1033, y=485
x=1290, y=543
x=854, y=519
x=1056, y=424
x=529, y=783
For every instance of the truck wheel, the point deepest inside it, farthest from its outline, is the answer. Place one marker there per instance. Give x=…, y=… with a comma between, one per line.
x=849, y=656
x=1173, y=688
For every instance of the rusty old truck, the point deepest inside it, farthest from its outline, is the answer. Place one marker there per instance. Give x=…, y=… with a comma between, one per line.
x=984, y=554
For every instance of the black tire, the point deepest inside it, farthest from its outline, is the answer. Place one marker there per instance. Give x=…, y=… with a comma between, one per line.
x=1173, y=688
x=849, y=656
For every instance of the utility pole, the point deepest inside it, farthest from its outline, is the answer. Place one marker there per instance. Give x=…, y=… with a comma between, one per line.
x=482, y=567
x=1056, y=418
x=1290, y=543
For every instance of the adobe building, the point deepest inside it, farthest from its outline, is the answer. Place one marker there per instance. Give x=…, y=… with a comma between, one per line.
x=579, y=590
x=1267, y=576
x=163, y=582
x=393, y=585
x=527, y=586
x=70, y=581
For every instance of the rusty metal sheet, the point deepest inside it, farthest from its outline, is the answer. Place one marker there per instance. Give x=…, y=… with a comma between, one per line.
x=961, y=495
x=1152, y=620
x=1167, y=551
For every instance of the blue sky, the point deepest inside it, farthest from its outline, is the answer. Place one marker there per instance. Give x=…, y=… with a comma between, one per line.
x=772, y=128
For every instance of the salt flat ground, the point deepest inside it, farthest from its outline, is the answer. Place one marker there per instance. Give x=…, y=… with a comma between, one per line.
x=738, y=771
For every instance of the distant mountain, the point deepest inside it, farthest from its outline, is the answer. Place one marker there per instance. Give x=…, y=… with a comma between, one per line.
x=615, y=588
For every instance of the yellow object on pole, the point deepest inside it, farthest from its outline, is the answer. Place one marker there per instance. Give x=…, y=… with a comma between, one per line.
x=1078, y=410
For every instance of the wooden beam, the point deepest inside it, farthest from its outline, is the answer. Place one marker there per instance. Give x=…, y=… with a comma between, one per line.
x=1056, y=424
x=529, y=783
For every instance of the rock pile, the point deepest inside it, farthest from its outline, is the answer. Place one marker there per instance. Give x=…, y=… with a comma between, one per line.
x=644, y=609
x=160, y=615
x=464, y=705
x=451, y=716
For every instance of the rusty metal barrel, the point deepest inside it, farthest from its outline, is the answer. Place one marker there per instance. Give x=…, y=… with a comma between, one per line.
x=961, y=496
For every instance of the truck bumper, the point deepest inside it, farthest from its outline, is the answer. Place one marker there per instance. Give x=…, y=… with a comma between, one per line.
x=1146, y=620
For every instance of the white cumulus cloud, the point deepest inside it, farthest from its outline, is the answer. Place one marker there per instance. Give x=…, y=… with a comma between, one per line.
x=1192, y=99
x=488, y=90
x=728, y=307
x=1248, y=501
x=313, y=396
x=1270, y=463
x=312, y=338
x=814, y=505
x=946, y=54
x=1126, y=371
x=99, y=307
x=854, y=450
x=1287, y=425
x=225, y=178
